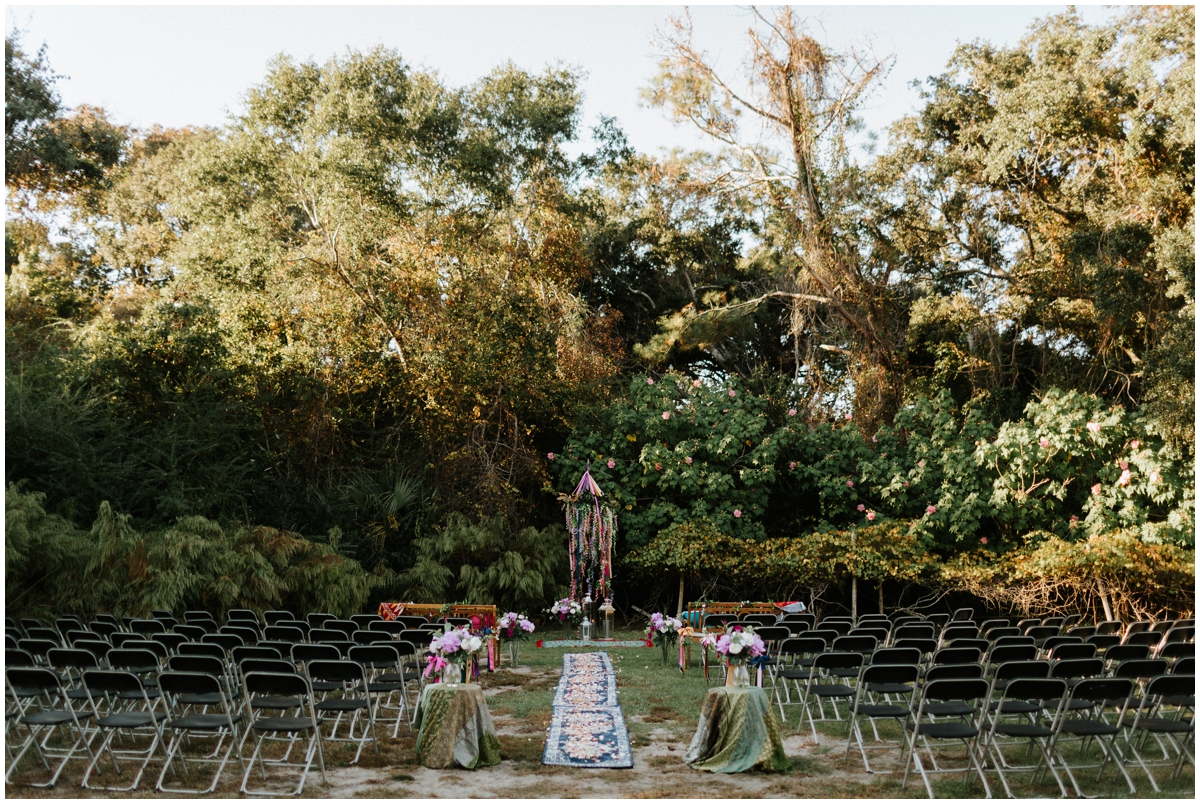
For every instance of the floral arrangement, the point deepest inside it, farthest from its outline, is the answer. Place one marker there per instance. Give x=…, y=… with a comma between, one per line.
x=514, y=626
x=567, y=611
x=457, y=645
x=738, y=644
x=663, y=630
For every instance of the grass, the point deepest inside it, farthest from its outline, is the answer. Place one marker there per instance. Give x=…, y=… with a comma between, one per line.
x=661, y=708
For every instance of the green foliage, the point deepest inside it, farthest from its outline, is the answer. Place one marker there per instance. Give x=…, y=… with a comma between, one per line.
x=483, y=563
x=52, y=567
x=680, y=450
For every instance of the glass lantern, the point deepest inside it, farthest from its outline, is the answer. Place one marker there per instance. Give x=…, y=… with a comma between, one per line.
x=585, y=630
x=607, y=610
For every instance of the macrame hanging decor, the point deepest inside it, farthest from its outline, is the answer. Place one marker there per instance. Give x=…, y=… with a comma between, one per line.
x=592, y=525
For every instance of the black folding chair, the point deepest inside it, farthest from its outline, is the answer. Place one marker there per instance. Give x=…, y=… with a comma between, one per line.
x=387, y=679
x=181, y=690
x=139, y=717
x=274, y=617
x=927, y=729
x=789, y=666
x=349, y=700
x=293, y=687
x=822, y=685
x=1089, y=698
x=44, y=706
x=1150, y=721
x=889, y=680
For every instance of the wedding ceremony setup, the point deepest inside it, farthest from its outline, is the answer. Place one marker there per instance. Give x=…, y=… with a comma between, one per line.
x=616, y=401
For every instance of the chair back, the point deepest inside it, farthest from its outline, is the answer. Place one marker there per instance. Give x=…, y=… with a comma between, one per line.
x=197, y=664
x=855, y=644
x=391, y=627
x=241, y=615
x=365, y=637
x=1022, y=669
x=255, y=652
x=283, y=633
x=890, y=673
x=1012, y=653
x=202, y=649
x=266, y=666
x=1073, y=650
x=1077, y=668
x=896, y=656
x=147, y=627
x=954, y=671
x=957, y=656
x=308, y=652
x=317, y=619
x=276, y=616
x=347, y=627
x=194, y=633
x=1140, y=668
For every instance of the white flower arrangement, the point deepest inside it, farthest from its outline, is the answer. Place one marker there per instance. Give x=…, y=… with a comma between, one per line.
x=664, y=629
x=737, y=645
x=566, y=611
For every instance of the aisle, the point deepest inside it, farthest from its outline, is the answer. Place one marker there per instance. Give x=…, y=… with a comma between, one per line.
x=587, y=727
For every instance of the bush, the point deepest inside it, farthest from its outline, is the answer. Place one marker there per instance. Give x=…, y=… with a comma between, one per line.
x=480, y=563
x=53, y=567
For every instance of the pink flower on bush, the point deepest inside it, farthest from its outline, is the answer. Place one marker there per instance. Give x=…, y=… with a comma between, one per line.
x=983, y=540
x=921, y=463
x=550, y=456
x=792, y=465
x=733, y=393
x=1096, y=490
x=1154, y=476
x=905, y=484
x=1135, y=443
x=688, y=460
x=658, y=467
x=695, y=383
x=861, y=507
x=931, y=509
x=1093, y=427
x=792, y=412
x=649, y=381
x=1044, y=443
x=1123, y=480
x=871, y=515
x=1124, y=465
x=737, y=513
x=1074, y=521
x=612, y=464
x=666, y=415
x=850, y=483
x=849, y=417
x=874, y=439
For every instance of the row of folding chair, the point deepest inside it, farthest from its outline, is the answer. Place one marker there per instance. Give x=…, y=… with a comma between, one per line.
x=869, y=690
x=86, y=701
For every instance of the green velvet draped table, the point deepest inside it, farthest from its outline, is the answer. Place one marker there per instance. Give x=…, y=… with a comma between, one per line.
x=456, y=728
x=737, y=731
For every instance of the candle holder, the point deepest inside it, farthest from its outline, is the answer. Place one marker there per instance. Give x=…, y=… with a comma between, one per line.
x=607, y=610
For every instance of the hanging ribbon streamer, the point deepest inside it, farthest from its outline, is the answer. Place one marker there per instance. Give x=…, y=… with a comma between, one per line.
x=706, y=662
x=592, y=526
x=682, y=661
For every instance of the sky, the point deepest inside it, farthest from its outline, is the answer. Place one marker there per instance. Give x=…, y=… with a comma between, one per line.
x=175, y=65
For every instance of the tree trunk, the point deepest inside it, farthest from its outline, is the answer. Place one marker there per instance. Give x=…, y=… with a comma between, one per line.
x=854, y=598
x=1108, y=612
x=679, y=608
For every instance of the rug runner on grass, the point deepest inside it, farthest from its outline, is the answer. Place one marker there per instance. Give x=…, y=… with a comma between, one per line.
x=587, y=728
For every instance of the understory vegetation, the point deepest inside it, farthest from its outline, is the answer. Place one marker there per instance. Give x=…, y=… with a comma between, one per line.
x=352, y=345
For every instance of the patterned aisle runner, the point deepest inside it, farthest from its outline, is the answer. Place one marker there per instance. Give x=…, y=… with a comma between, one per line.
x=587, y=729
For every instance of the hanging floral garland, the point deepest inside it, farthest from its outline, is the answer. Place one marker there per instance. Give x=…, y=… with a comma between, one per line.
x=592, y=525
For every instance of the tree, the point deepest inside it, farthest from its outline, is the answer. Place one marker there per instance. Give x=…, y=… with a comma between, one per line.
x=802, y=183
x=1044, y=198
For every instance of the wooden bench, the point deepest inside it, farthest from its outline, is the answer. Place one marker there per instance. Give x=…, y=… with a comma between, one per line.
x=434, y=611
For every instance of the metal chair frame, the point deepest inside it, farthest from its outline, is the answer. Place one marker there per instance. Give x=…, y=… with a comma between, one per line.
x=286, y=685
x=180, y=689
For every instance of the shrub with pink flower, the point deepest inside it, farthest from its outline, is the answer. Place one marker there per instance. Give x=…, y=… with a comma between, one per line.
x=1093, y=427
x=931, y=509
x=871, y=515
x=666, y=415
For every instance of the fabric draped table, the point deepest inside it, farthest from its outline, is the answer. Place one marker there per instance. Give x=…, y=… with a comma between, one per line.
x=737, y=731
x=455, y=728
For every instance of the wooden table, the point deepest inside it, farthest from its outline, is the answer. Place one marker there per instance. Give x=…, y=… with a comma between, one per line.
x=456, y=728
x=737, y=731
